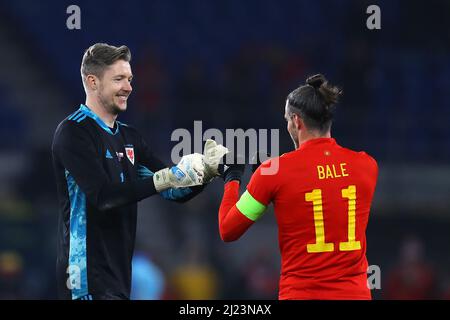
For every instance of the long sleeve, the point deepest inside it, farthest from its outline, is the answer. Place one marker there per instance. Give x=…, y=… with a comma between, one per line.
x=149, y=164
x=232, y=223
x=74, y=149
x=237, y=214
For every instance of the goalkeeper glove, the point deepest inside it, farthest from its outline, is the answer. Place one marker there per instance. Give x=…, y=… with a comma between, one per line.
x=213, y=154
x=187, y=173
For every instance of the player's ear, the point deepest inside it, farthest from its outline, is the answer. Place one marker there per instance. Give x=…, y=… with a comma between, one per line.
x=298, y=121
x=92, y=82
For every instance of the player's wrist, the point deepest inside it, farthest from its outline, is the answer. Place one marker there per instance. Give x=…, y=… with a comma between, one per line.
x=233, y=174
x=161, y=180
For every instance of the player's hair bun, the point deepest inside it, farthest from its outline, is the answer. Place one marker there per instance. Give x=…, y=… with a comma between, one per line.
x=315, y=101
x=329, y=94
x=316, y=81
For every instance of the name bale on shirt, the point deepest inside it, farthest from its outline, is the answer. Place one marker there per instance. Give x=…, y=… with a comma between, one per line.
x=332, y=171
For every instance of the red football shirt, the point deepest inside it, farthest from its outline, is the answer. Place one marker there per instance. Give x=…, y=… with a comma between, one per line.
x=322, y=195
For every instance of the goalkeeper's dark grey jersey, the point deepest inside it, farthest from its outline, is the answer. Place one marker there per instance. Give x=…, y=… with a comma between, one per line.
x=101, y=173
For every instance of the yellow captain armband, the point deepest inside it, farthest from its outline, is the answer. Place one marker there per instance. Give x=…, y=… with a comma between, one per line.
x=250, y=207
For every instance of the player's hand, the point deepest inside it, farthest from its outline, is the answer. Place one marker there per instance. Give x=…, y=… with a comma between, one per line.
x=213, y=154
x=233, y=167
x=258, y=158
x=187, y=173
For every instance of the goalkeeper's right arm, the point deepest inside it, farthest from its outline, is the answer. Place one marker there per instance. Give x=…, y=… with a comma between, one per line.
x=76, y=152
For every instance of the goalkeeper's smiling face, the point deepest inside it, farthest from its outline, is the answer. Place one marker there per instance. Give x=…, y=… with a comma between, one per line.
x=115, y=86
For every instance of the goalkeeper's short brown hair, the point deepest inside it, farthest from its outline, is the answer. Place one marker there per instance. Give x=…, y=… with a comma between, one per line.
x=99, y=56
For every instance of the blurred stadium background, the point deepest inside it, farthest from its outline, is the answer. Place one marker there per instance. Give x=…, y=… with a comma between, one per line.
x=231, y=64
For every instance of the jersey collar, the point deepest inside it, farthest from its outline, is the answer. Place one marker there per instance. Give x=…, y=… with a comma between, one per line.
x=316, y=142
x=91, y=114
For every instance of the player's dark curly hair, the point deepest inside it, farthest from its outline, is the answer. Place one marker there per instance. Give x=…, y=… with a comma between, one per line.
x=99, y=56
x=315, y=102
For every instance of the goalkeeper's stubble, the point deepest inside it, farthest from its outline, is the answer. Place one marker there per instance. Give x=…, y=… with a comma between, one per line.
x=114, y=87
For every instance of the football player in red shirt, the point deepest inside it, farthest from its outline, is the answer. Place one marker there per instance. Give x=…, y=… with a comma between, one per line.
x=321, y=193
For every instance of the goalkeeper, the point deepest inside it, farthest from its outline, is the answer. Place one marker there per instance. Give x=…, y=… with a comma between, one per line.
x=103, y=168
